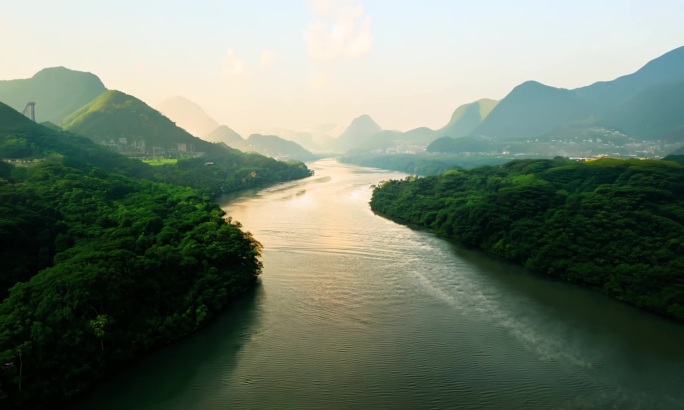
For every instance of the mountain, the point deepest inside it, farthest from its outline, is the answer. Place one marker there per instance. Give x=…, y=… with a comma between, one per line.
x=467, y=117
x=459, y=145
x=654, y=113
x=21, y=138
x=132, y=255
x=188, y=115
x=608, y=95
x=310, y=140
x=418, y=136
x=276, y=147
x=638, y=104
x=126, y=123
x=531, y=109
x=56, y=91
x=358, y=132
x=229, y=137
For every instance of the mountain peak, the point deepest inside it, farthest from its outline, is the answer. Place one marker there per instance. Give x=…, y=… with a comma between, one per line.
x=365, y=121
x=535, y=87
x=228, y=136
x=467, y=117
x=360, y=129
x=57, y=91
x=606, y=95
x=531, y=109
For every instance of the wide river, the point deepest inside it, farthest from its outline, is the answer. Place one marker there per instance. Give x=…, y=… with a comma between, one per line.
x=357, y=312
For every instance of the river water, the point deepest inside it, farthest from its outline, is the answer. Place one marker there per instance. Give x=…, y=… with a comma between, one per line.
x=358, y=312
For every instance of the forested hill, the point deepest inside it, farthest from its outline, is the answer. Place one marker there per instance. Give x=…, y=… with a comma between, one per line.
x=221, y=170
x=106, y=267
x=22, y=139
x=100, y=264
x=613, y=225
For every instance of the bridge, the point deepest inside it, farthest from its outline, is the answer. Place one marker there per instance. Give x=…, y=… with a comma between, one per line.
x=30, y=110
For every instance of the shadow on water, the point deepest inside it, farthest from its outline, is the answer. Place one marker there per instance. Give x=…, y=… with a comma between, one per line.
x=163, y=376
x=575, y=305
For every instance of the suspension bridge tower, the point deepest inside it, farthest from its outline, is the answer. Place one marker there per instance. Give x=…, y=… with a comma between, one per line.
x=30, y=110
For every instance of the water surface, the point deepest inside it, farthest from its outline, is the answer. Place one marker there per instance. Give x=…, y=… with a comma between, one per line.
x=358, y=312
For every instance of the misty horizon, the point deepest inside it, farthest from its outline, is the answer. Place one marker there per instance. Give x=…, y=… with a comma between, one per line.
x=302, y=65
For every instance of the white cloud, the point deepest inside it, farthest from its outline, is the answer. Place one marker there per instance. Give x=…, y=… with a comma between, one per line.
x=268, y=58
x=321, y=6
x=342, y=30
x=233, y=65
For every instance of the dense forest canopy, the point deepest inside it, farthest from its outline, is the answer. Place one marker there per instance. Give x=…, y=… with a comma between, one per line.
x=105, y=257
x=614, y=225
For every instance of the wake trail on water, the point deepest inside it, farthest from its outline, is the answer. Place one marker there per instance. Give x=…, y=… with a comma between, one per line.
x=471, y=295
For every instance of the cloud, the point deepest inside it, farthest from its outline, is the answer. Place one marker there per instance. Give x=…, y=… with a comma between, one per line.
x=268, y=58
x=233, y=65
x=342, y=30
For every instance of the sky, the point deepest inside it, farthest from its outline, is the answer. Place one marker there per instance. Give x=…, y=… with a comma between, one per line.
x=257, y=65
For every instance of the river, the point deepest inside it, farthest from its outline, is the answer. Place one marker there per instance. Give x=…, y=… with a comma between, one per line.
x=357, y=312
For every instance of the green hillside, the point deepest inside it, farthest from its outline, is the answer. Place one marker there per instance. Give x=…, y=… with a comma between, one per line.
x=56, y=91
x=128, y=125
x=22, y=139
x=115, y=115
x=613, y=225
x=99, y=268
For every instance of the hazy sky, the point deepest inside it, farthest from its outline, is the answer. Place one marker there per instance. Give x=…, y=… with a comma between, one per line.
x=258, y=64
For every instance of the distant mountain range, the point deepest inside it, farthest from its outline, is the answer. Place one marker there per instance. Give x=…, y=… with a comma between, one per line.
x=365, y=135
x=56, y=91
x=191, y=117
x=643, y=105
x=226, y=135
x=276, y=147
x=269, y=145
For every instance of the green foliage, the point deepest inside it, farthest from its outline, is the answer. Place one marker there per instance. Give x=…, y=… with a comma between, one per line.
x=614, y=225
x=102, y=268
x=20, y=138
x=102, y=262
x=115, y=115
x=230, y=172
